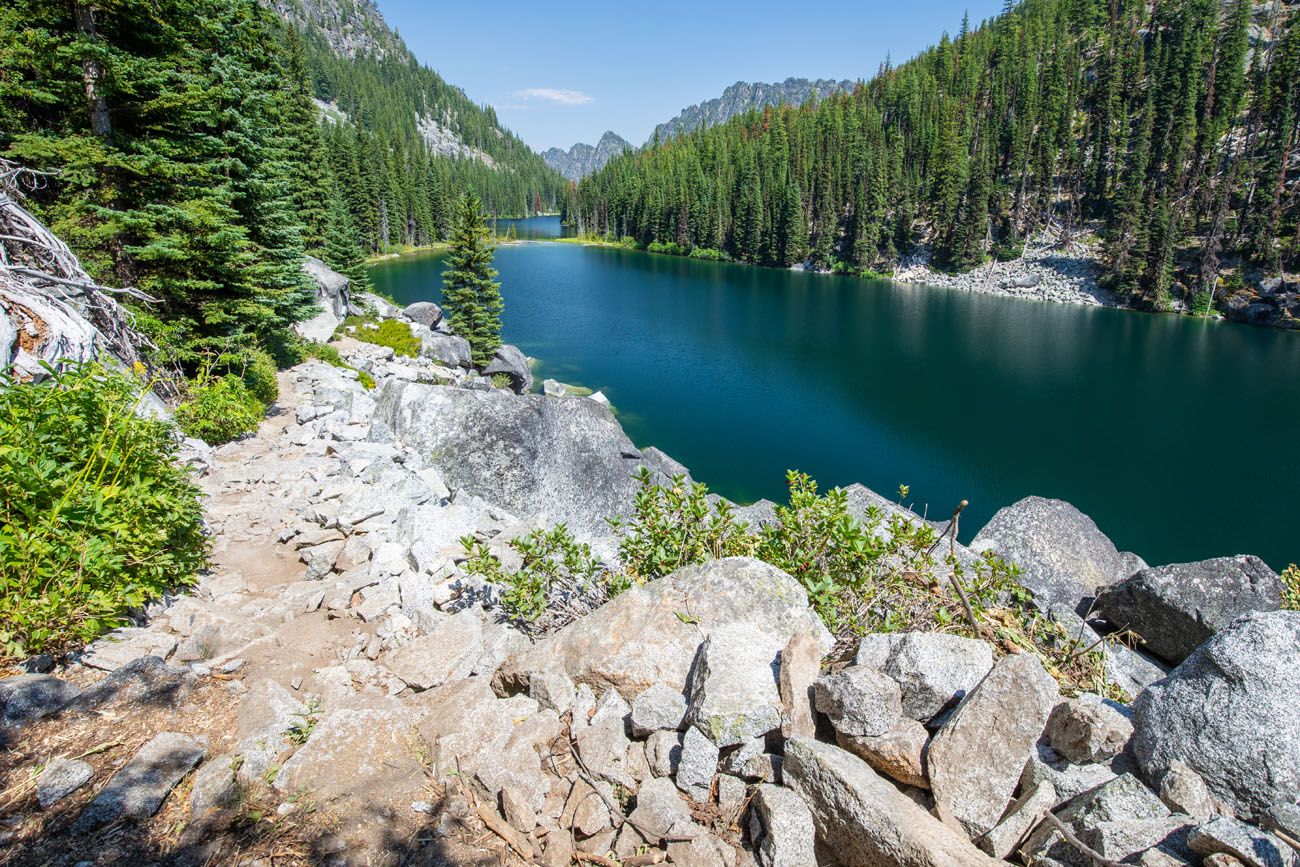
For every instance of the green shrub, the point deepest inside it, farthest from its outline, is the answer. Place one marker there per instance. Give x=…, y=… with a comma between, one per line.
x=260, y=376
x=220, y=410
x=674, y=527
x=1291, y=588
x=391, y=333
x=95, y=515
x=558, y=579
x=502, y=380
x=709, y=254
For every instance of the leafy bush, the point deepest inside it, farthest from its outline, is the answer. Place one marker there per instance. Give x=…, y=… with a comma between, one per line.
x=558, y=580
x=96, y=518
x=260, y=376
x=391, y=333
x=676, y=526
x=220, y=410
x=502, y=380
x=1291, y=588
x=709, y=254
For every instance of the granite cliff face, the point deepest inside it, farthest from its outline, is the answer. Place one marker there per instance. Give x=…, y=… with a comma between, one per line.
x=743, y=96
x=583, y=159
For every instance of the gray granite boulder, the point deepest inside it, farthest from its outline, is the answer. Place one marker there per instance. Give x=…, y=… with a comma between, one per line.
x=781, y=828
x=659, y=708
x=449, y=350
x=933, y=670
x=139, y=788
x=733, y=686
x=147, y=680
x=859, y=700
x=1248, y=844
x=651, y=634
x=508, y=360
x=864, y=819
x=332, y=301
x=567, y=459
x=61, y=778
x=1177, y=607
x=976, y=759
x=1089, y=729
x=1064, y=559
x=26, y=698
x=1231, y=712
x=424, y=313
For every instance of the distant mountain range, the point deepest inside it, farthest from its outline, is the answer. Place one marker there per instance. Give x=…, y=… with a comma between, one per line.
x=583, y=159
x=744, y=96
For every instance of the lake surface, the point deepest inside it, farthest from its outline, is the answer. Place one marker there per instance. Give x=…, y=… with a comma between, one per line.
x=1178, y=437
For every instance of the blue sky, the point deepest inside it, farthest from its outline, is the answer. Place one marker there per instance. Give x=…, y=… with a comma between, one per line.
x=558, y=73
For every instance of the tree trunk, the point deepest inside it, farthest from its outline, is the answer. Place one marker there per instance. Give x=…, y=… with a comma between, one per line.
x=92, y=74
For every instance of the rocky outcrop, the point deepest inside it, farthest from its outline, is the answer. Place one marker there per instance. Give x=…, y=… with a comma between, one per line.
x=333, y=302
x=1230, y=712
x=566, y=459
x=639, y=639
x=745, y=96
x=1177, y=607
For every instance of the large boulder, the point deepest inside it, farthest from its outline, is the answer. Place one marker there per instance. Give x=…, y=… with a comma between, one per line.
x=1231, y=712
x=864, y=819
x=652, y=633
x=1176, y=607
x=976, y=759
x=733, y=687
x=449, y=350
x=26, y=698
x=566, y=459
x=424, y=313
x=510, y=361
x=1064, y=559
x=332, y=290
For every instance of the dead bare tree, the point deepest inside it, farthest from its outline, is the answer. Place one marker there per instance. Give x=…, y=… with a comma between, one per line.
x=55, y=308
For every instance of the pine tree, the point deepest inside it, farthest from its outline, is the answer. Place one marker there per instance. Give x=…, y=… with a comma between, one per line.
x=343, y=247
x=471, y=295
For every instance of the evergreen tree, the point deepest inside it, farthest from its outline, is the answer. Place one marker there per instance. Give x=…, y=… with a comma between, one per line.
x=470, y=293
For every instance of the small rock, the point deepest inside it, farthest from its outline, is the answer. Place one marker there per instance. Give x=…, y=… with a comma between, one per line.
x=699, y=762
x=518, y=812
x=781, y=828
x=61, y=778
x=552, y=689
x=663, y=752
x=801, y=660
x=933, y=670
x=733, y=691
x=585, y=810
x=1088, y=729
x=659, y=708
x=1006, y=837
x=1284, y=817
x=446, y=655
x=1250, y=846
x=731, y=794
x=139, y=788
x=898, y=753
x=859, y=701
x=1184, y=791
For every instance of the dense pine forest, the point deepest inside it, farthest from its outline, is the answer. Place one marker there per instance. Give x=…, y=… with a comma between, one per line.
x=196, y=149
x=1169, y=130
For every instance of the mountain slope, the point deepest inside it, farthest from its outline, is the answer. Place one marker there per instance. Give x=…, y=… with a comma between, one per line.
x=1168, y=131
x=583, y=159
x=745, y=96
x=364, y=76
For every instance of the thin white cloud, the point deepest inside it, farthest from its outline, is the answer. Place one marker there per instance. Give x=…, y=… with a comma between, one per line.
x=554, y=94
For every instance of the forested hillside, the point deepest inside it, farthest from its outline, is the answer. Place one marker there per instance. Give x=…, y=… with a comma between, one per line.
x=1168, y=128
x=188, y=156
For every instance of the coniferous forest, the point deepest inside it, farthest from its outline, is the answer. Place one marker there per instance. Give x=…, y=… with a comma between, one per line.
x=196, y=149
x=1169, y=130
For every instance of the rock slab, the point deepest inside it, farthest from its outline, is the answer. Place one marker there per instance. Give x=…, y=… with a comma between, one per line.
x=139, y=788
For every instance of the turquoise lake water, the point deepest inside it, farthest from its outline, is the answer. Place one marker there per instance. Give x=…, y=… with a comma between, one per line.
x=1180, y=438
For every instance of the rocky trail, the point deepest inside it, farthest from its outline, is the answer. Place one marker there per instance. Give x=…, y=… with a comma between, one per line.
x=337, y=689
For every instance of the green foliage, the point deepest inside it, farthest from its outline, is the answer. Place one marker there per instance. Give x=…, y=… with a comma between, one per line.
x=219, y=410
x=471, y=295
x=1142, y=118
x=260, y=376
x=304, y=723
x=96, y=518
x=558, y=578
x=1291, y=588
x=675, y=526
x=394, y=334
x=501, y=380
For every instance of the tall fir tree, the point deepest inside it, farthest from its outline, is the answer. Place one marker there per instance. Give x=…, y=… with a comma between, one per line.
x=471, y=293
